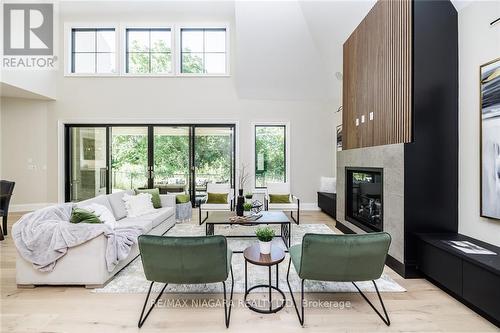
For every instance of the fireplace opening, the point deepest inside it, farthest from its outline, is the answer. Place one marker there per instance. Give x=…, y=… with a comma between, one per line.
x=364, y=198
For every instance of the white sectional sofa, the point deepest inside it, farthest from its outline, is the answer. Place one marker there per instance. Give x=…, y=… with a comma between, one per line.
x=85, y=264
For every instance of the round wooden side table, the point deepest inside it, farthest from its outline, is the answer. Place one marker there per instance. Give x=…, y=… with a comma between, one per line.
x=252, y=255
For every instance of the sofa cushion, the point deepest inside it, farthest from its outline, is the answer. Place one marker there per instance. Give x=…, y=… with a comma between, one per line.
x=101, y=200
x=116, y=202
x=127, y=222
x=155, y=196
x=159, y=215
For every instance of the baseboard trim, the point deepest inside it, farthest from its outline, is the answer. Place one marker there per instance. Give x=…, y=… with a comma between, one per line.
x=28, y=207
x=342, y=227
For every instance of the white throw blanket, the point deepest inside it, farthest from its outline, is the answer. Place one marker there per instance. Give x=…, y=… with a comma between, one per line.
x=44, y=236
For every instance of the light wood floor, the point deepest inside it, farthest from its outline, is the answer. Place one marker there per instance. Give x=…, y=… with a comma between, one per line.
x=424, y=308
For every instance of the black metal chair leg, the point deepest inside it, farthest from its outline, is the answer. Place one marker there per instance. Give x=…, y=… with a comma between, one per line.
x=227, y=314
x=4, y=226
x=141, y=319
x=301, y=318
x=386, y=320
x=298, y=211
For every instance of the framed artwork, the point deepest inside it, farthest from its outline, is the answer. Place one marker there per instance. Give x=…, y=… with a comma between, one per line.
x=339, y=137
x=489, y=92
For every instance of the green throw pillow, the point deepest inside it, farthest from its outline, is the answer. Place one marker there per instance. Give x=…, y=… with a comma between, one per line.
x=155, y=196
x=279, y=198
x=182, y=198
x=79, y=215
x=217, y=198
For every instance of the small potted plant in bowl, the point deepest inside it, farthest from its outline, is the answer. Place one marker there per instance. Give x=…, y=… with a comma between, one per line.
x=249, y=195
x=247, y=209
x=265, y=236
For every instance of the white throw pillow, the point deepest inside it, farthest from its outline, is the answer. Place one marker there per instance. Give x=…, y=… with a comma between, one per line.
x=139, y=204
x=103, y=213
x=328, y=185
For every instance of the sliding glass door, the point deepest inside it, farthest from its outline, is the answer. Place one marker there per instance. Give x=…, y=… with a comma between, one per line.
x=129, y=157
x=173, y=158
x=213, y=157
x=171, y=172
x=86, y=162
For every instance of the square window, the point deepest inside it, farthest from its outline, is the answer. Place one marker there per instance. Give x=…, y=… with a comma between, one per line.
x=93, y=50
x=203, y=51
x=149, y=51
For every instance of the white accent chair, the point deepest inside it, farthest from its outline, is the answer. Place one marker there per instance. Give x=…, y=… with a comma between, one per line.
x=282, y=188
x=208, y=207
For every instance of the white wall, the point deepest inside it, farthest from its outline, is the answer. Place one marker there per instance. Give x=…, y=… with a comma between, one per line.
x=478, y=43
x=30, y=128
x=25, y=148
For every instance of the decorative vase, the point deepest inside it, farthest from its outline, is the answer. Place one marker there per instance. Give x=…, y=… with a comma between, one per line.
x=265, y=247
x=239, y=203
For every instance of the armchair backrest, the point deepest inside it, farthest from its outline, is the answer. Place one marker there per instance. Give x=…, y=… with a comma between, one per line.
x=184, y=259
x=344, y=257
x=6, y=190
x=278, y=188
x=218, y=188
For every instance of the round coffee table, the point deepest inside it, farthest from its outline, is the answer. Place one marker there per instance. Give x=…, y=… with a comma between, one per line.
x=252, y=255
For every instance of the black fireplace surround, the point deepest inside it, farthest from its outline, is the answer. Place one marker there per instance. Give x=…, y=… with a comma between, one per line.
x=364, y=198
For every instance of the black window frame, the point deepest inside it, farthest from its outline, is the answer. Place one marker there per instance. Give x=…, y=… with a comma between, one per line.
x=109, y=126
x=285, y=161
x=73, y=52
x=149, y=30
x=204, y=53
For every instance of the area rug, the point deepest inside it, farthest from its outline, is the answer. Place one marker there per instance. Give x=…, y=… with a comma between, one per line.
x=132, y=280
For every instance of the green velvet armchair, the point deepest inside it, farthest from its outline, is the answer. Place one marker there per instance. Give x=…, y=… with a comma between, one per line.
x=186, y=260
x=341, y=258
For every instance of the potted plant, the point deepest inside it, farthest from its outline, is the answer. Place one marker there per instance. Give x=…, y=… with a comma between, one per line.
x=247, y=207
x=265, y=236
x=249, y=195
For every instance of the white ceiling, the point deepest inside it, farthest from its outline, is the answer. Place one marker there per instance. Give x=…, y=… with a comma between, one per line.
x=292, y=49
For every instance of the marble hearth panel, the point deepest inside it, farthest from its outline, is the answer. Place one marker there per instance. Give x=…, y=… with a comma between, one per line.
x=391, y=159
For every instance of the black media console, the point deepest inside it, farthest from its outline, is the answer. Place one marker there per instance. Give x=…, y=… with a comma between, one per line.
x=328, y=203
x=473, y=279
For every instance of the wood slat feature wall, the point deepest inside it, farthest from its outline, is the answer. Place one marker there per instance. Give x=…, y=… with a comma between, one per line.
x=378, y=77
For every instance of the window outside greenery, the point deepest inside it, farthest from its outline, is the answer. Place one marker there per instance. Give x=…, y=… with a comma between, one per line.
x=149, y=51
x=270, y=152
x=129, y=156
x=203, y=51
